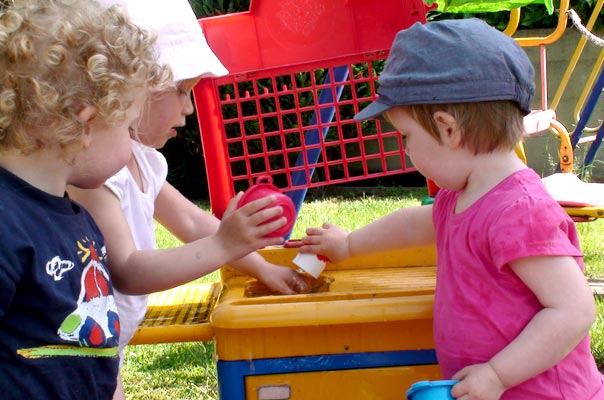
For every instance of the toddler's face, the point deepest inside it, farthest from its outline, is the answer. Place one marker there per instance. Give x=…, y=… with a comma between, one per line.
x=424, y=150
x=109, y=148
x=164, y=112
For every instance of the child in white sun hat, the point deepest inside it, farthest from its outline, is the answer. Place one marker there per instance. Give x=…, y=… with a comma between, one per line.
x=181, y=43
x=127, y=204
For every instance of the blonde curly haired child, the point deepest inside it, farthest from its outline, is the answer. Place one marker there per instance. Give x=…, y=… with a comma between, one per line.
x=73, y=79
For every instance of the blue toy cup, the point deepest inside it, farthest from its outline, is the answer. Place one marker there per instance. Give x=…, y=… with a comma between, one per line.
x=431, y=390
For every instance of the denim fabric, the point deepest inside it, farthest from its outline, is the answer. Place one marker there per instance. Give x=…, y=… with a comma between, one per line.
x=453, y=61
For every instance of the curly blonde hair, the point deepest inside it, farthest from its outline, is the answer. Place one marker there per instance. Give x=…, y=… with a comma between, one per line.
x=59, y=56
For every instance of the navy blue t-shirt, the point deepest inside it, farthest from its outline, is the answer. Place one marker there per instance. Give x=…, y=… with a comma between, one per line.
x=59, y=326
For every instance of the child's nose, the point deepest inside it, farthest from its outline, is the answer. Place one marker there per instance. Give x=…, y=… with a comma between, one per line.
x=188, y=107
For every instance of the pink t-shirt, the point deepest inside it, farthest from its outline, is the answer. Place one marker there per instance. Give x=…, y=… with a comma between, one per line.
x=480, y=304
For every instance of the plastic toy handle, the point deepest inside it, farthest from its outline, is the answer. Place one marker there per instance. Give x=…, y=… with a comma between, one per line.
x=264, y=179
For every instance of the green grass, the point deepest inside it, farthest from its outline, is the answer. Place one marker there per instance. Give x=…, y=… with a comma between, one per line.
x=592, y=244
x=188, y=371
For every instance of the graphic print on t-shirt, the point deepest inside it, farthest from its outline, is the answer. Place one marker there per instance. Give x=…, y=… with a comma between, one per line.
x=94, y=325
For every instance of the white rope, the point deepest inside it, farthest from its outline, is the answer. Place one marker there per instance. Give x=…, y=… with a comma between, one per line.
x=584, y=31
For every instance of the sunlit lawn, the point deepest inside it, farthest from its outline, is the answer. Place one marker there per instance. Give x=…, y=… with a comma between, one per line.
x=187, y=370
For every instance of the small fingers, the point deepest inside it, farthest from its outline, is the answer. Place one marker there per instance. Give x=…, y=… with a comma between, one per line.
x=457, y=390
x=308, y=248
x=298, y=284
x=266, y=214
x=313, y=232
x=267, y=226
x=255, y=206
x=263, y=221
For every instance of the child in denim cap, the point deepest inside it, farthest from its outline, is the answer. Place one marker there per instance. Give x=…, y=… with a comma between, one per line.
x=73, y=81
x=512, y=307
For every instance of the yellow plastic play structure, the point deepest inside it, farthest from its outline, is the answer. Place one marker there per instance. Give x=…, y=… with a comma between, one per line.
x=589, y=203
x=579, y=199
x=368, y=333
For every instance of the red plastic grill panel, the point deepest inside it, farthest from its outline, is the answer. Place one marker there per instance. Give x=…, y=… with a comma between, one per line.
x=287, y=107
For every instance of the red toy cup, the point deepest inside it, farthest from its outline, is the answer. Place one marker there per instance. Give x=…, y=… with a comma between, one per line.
x=264, y=187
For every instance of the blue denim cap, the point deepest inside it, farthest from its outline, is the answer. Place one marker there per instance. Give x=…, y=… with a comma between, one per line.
x=453, y=61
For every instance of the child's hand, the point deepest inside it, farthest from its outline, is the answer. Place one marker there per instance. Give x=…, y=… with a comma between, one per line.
x=477, y=382
x=243, y=230
x=330, y=241
x=283, y=280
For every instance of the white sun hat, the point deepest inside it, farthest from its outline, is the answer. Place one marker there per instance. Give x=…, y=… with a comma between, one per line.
x=181, y=42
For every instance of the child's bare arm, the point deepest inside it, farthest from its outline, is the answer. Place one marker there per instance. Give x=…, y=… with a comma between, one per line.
x=183, y=218
x=567, y=315
x=189, y=222
x=105, y=208
x=404, y=228
x=143, y=271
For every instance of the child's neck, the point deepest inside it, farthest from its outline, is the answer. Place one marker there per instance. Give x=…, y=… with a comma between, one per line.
x=44, y=170
x=487, y=172
x=135, y=172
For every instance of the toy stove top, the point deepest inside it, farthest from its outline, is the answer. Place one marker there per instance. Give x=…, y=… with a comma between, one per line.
x=365, y=333
x=367, y=296
x=391, y=286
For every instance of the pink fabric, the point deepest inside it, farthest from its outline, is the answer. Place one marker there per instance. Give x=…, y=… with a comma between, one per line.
x=480, y=304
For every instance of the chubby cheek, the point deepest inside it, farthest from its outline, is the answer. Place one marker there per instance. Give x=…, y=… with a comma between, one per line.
x=105, y=164
x=156, y=135
x=108, y=167
x=122, y=151
x=424, y=166
x=424, y=157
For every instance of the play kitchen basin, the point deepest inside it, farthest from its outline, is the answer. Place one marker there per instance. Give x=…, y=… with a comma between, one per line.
x=366, y=334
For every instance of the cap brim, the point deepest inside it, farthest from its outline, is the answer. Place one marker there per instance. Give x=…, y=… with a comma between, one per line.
x=372, y=111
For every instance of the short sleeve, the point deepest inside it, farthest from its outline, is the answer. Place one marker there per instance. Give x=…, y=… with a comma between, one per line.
x=532, y=226
x=117, y=183
x=158, y=165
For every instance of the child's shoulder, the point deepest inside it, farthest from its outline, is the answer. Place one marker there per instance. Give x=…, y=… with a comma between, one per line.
x=15, y=192
x=522, y=187
x=520, y=193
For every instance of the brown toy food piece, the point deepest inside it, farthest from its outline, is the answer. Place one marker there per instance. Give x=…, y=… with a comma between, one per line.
x=316, y=285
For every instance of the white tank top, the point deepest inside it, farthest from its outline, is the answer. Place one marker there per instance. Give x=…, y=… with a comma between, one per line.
x=138, y=208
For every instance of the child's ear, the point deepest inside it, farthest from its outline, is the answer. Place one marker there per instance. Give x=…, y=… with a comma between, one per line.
x=86, y=116
x=448, y=128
